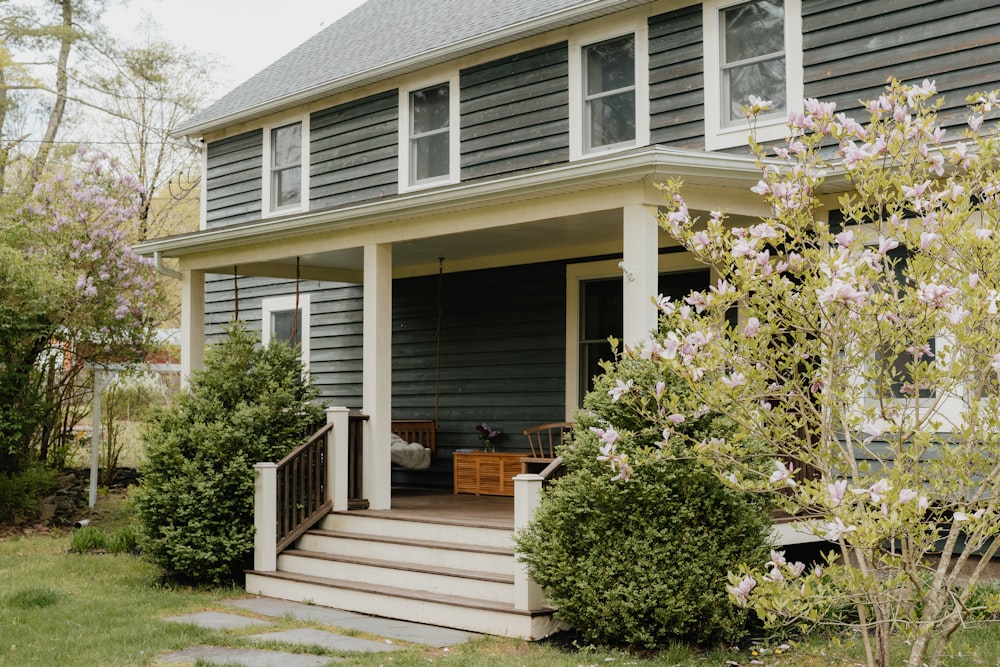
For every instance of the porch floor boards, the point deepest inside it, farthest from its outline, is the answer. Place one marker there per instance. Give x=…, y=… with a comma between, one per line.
x=445, y=507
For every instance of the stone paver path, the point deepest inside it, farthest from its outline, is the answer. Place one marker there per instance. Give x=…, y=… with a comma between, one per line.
x=388, y=629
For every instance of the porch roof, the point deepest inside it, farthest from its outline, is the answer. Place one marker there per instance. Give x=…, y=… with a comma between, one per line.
x=649, y=164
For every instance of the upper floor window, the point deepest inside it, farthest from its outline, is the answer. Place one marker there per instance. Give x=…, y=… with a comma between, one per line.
x=609, y=93
x=751, y=48
x=429, y=144
x=285, y=149
x=608, y=87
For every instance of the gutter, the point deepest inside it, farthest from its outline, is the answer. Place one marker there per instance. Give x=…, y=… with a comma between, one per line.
x=162, y=269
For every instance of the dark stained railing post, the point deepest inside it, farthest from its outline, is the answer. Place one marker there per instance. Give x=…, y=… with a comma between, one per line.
x=356, y=463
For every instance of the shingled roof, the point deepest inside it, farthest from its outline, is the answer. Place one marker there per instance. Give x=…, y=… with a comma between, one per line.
x=385, y=38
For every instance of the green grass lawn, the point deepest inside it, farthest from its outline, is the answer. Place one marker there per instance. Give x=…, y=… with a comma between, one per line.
x=66, y=609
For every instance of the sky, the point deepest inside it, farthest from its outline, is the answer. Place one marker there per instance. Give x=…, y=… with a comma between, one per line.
x=244, y=35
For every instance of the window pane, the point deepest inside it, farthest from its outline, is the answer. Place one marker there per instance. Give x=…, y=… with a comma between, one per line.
x=286, y=146
x=765, y=80
x=602, y=308
x=612, y=119
x=610, y=65
x=286, y=186
x=430, y=156
x=285, y=323
x=429, y=109
x=754, y=29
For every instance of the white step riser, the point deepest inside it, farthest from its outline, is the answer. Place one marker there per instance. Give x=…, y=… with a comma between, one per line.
x=366, y=525
x=405, y=553
x=462, y=618
x=477, y=589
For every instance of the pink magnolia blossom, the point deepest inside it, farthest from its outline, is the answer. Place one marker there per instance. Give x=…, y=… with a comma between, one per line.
x=837, y=491
x=783, y=473
x=619, y=389
x=608, y=436
x=734, y=380
x=879, y=489
x=906, y=495
x=752, y=327
x=836, y=529
x=934, y=295
x=871, y=430
x=741, y=591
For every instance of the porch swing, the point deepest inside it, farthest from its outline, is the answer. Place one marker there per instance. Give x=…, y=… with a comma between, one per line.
x=408, y=433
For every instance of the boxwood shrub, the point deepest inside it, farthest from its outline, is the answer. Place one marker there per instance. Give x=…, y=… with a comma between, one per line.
x=643, y=562
x=250, y=404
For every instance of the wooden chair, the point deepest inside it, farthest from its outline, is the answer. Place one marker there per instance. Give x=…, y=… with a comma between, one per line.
x=543, y=440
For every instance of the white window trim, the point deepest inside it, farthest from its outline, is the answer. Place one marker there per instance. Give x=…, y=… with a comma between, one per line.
x=406, y=184
x=266, y=204
x=280, y=303
x=592, y=35
x=770, y=129
x=578, y=273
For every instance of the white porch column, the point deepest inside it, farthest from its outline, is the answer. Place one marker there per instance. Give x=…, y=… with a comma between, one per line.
x=336, y=458
x=265, y=517
x=527, y=495
x=639, y=272
x=192, y=323
x=377, y=374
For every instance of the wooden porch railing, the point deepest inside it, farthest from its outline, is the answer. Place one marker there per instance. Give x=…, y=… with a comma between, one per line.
x=301, y=497
x=294, y=494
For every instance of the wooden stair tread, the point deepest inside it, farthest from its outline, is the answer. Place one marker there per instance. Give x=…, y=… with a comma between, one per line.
x=411, y=542
x=391, y=591
x=417, y=517
x=407, y=567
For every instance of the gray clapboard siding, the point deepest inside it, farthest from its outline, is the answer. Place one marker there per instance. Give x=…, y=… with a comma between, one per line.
x=515, y=113
x=502, y=356
x=234, y=179
x=353, y=151
x=676, y=79
x=852, y=48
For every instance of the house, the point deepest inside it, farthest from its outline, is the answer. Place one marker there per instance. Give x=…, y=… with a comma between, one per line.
x=450, y=205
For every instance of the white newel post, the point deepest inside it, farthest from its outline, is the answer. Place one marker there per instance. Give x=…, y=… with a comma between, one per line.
x=336, y=458
x=527, y=495
x=265, y=517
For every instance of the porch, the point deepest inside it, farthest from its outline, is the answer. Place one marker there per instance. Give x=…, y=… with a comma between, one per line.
x=435, y=557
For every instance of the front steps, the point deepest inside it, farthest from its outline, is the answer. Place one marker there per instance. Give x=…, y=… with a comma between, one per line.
x=448, y=572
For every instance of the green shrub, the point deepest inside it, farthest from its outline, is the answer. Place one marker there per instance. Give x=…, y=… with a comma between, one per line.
x=195, y=500
x=20, y=493
x=642, y=562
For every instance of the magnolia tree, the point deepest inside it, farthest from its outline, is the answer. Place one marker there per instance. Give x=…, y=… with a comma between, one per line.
x=867, y=353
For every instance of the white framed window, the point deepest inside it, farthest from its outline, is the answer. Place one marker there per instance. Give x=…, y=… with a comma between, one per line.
x=429, y=135
x=281, y=320
x=594, y=311
x=609, y=88
x=286, y=173
x=752, y=47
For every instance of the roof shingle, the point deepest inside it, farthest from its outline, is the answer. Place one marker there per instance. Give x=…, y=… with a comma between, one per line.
x=381, y=34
